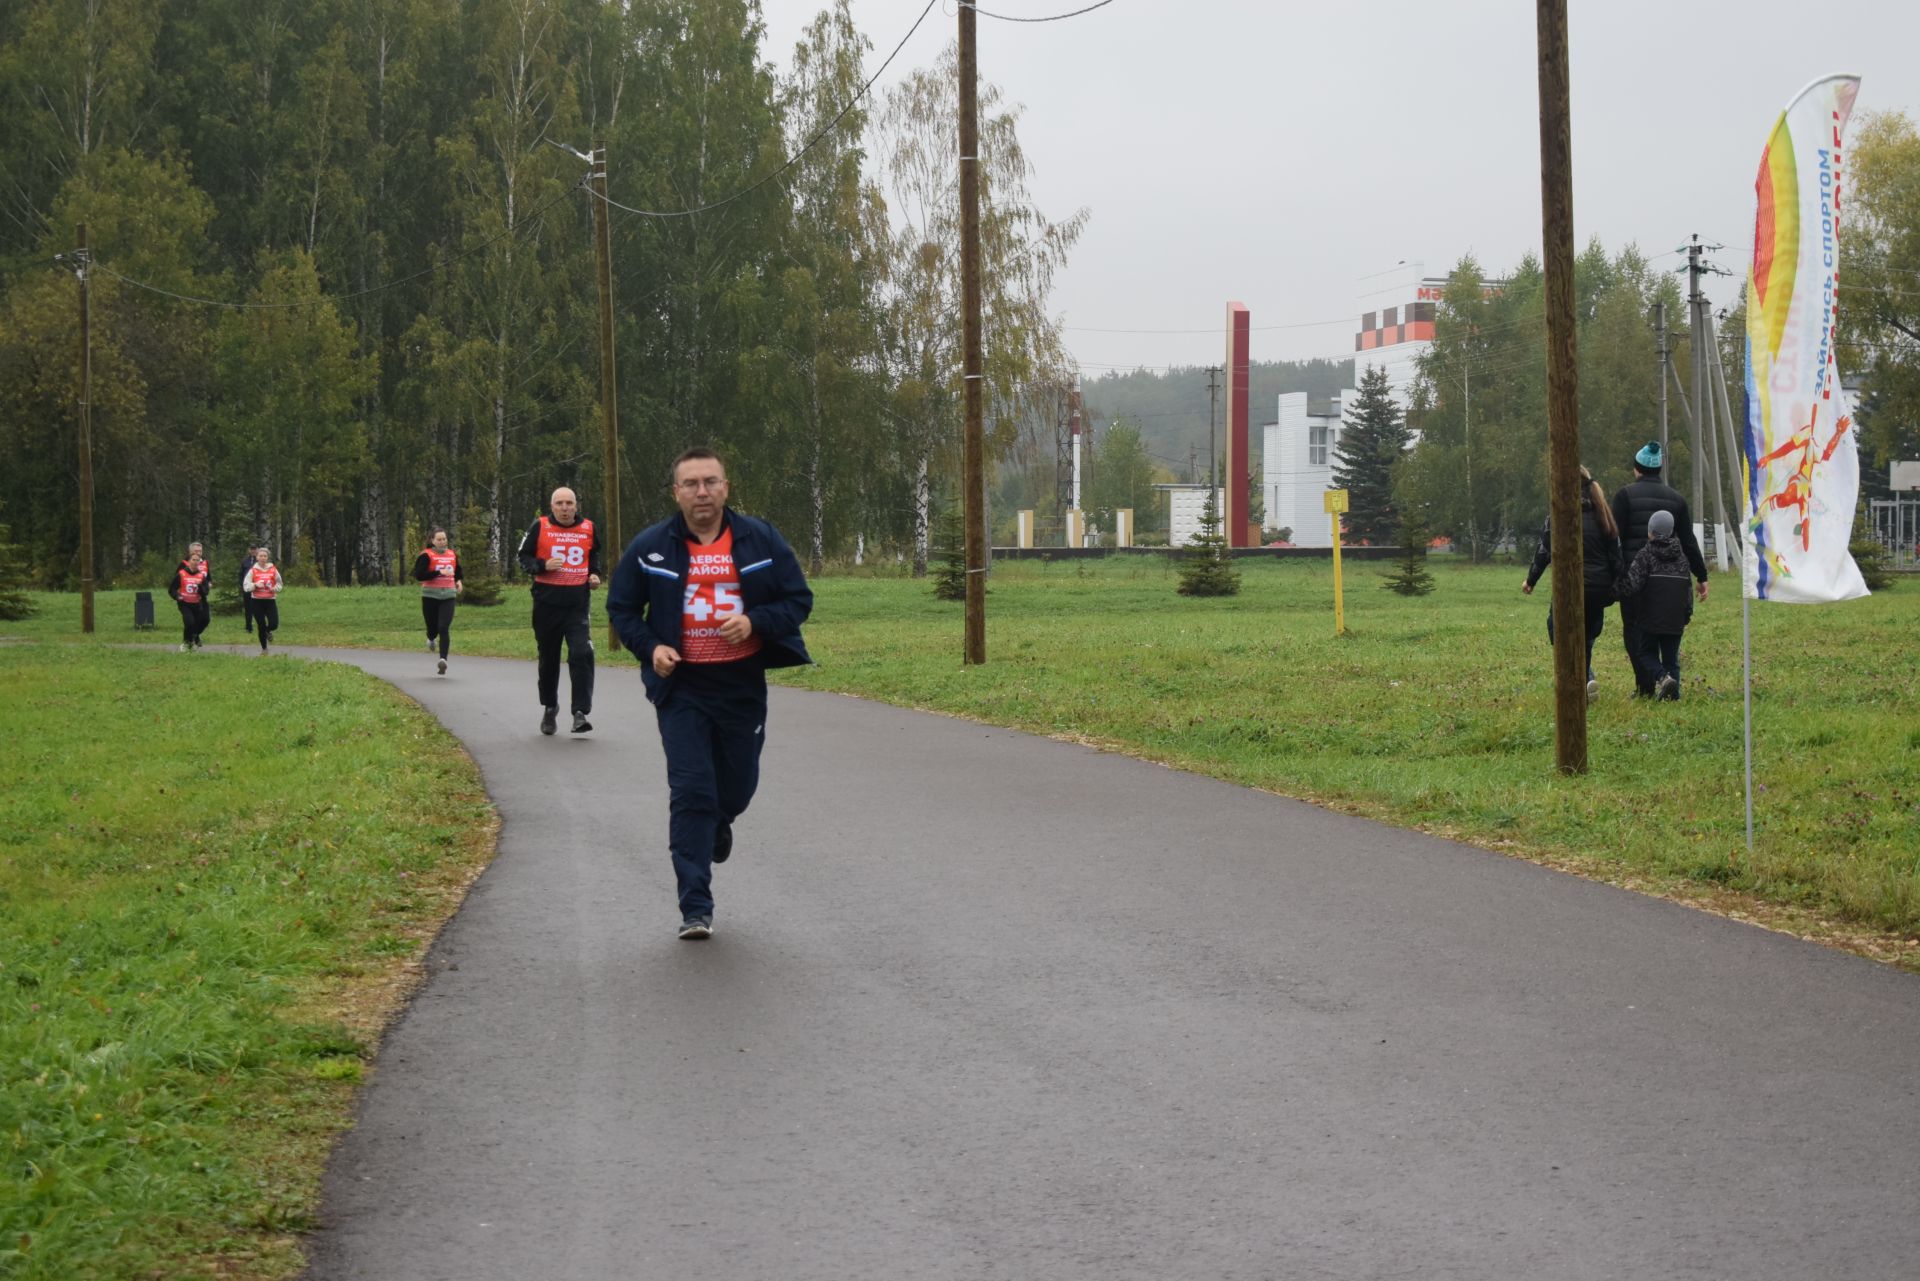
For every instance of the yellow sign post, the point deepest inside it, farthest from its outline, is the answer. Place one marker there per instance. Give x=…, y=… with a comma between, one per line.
x=1335, y=501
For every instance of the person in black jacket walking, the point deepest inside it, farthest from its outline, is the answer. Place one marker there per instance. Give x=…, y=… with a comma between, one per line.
x=1633, y=507
x=1656, y=583
x=562, y=552
x=708, y=600
x=1600, y=565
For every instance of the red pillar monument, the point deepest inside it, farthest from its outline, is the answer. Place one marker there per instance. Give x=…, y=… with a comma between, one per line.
x=1237, y=480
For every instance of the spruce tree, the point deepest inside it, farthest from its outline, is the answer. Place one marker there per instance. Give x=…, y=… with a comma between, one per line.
x=14, y=602
x=950, y=539
x=1373, y=438
x=1209, y=569
x=1409, y=576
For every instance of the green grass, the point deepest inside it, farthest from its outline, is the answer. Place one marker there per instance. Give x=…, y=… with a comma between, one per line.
x=1433, y=711
x=205, y=867
x=1437, y=712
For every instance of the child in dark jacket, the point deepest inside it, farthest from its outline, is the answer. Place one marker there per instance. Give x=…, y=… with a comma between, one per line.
x=1660, y=584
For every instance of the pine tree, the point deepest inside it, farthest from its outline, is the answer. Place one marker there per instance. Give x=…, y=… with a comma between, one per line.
x=1410, y=576
x=13, y=579
x=1868, y=554
x=1209, y=569
x=950, y=580
x=1373, y=438
x=482, y=585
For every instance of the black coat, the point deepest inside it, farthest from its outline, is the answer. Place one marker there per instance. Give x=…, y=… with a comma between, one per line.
x=1635, y=505
x=1600, y=562
x=1657, y=589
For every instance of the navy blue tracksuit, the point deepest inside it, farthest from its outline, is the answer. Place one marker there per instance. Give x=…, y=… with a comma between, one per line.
x=712, y=717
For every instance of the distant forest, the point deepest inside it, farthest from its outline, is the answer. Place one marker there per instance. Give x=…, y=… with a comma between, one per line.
x=1170, y=407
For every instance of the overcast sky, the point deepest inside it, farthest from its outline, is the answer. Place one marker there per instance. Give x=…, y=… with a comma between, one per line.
x=1273, y=152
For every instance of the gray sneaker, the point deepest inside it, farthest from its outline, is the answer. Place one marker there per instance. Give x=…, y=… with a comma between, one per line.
x=443, y=667
x=581, y=725
x=1593, y=690
x=697, y=927
x=1666, y=687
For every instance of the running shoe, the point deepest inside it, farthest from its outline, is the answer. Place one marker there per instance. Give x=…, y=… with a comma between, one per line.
x=1667, y=688
x=581, y=724
x=443, y=667
x=186, y=647
x=697, y=927
x=549, y=720
x=430, y=645
x=1593, y=690
x=723, y=843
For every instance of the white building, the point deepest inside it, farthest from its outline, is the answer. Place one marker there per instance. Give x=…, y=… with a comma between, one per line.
x=1397, y=309
x=1296, y=467
x=1185, y=505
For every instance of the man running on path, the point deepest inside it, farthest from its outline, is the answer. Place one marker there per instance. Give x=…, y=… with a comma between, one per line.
x=707, y=601
x=563, y=554
x=437, y=567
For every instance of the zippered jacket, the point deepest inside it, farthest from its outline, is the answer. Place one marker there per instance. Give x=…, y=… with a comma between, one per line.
x=1601, y=565
x=1658, y=586
x=648, y=593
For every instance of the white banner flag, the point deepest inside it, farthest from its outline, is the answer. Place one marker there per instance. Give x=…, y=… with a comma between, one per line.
x=1802, y=468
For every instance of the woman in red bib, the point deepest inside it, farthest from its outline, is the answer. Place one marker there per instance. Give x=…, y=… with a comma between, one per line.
x=262, y=586
x=189, y=587
x=437, y=568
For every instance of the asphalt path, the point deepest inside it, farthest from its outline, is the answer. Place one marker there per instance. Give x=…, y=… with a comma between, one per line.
x=984, y=1005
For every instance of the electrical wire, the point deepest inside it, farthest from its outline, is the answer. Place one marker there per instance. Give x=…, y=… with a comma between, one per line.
x=792, y=160
x=1058, y=17
x=531, y=220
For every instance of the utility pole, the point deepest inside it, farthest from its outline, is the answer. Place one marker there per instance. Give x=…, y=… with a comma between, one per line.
x=1660, y=328
x=1696, y=338
x=84, y=264
x=1563, y=405
x=1466, y=438
x=974, y=374
x=1213, y=406
x=609, y=408
x=1193, y=464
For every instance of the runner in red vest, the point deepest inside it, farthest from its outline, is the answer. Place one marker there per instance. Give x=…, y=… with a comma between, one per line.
x=441, y=582
x=263, y=585
x=562, y=552
x=189, y=587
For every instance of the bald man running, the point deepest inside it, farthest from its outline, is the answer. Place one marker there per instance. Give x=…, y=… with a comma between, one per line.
x=563, y=554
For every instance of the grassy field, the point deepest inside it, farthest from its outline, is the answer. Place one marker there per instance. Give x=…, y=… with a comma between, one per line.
x=1434, y=712
x=215, y=878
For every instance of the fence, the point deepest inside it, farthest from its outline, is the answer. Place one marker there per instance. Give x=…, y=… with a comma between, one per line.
x=1895, y=524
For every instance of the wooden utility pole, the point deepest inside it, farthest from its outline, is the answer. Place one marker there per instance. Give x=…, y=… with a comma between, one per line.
x=1563, y=410
x=974, y=485
x=609, y=407
x=1696, y=304
x=1213, y=412
x=86, y=436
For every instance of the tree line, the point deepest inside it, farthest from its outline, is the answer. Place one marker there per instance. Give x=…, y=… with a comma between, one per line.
x=343, y=284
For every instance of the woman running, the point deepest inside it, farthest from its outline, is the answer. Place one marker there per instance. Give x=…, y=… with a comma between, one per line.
x=189, y=587
x=262, y=586
x=438, y=569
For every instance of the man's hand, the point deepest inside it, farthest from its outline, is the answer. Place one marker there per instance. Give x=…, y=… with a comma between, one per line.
x=736, y=628
x=665, y=659
x=556, y=562
x=458, y=587
x=1700, y=590
x=1526, y=588
x=593, y=580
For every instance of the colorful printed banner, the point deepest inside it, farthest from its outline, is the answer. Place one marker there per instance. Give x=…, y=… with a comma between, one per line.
x=1802, y=468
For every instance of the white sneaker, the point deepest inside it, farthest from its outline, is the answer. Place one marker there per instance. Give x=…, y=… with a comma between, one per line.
x=443, y=667
x=186, y=647
x=1593, y=691
x=431, y=646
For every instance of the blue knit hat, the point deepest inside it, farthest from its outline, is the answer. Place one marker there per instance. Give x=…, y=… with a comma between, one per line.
x=1649, y=456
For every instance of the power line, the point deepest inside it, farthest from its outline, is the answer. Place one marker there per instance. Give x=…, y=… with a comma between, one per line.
x=531, y=220
x=792, y=160
x=1058, y=17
